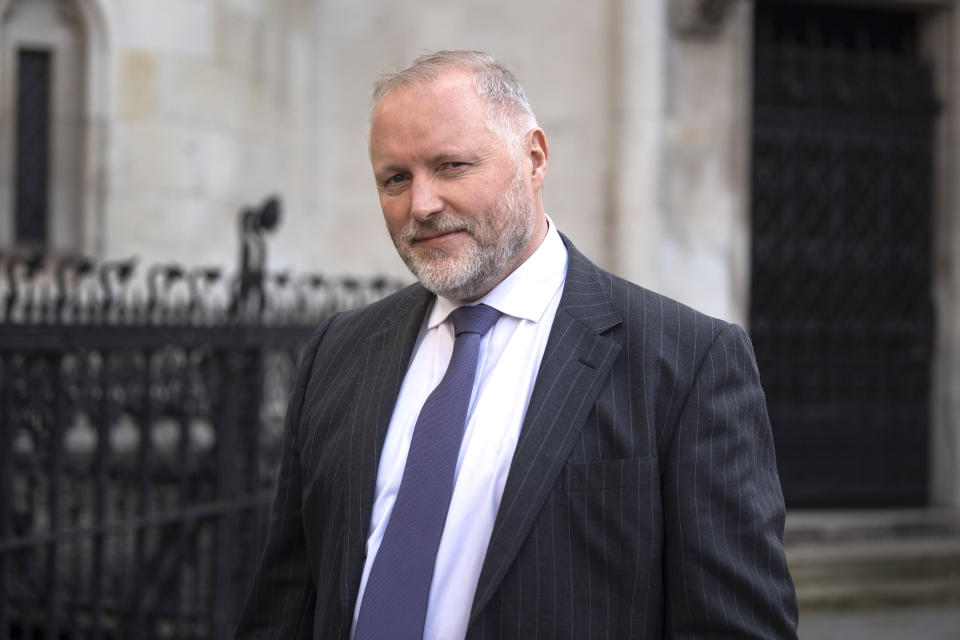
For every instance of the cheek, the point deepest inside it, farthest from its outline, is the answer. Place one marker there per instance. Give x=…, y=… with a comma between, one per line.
x=476, y=202
x=395, y=213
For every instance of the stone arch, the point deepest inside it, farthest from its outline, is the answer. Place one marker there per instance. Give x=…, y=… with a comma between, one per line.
x=78, y=225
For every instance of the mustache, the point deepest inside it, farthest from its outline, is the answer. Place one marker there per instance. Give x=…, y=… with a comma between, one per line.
x=417, y=230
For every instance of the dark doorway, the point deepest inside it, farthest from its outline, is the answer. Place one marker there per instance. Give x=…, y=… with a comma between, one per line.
x=842, y=198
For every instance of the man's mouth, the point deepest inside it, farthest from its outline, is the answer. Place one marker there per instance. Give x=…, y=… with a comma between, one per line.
x=438, y=237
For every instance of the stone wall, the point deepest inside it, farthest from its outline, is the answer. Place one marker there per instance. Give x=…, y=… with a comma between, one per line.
x=206, y=106
x=212, y=108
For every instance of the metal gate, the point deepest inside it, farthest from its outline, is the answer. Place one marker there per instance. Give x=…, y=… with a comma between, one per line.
x=139, y=440
x=842, y=190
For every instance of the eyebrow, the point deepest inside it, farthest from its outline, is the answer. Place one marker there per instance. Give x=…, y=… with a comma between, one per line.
x=390, y=168
x=444, y=156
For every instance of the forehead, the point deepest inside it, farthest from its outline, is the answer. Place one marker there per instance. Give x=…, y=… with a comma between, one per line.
x=429, y=116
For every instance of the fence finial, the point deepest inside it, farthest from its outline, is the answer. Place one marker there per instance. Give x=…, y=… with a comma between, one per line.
x=254, y=222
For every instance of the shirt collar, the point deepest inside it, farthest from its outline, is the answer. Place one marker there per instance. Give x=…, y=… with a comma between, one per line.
x=526, y=293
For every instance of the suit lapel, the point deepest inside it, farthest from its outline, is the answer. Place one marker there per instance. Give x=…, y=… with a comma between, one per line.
x=388, y=355
x=576, y=364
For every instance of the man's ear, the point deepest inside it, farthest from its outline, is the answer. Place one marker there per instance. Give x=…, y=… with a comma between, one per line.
x=539, y=152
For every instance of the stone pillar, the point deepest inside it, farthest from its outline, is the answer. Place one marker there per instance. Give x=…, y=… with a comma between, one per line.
x=682, y=217
x=944, y=51
x=636, y=219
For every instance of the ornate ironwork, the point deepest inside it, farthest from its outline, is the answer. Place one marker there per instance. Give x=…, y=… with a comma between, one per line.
x=254, y=222
x=841, y=313
x=141, y=419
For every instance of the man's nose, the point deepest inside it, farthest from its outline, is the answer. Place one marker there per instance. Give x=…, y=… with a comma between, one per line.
x=424, y=199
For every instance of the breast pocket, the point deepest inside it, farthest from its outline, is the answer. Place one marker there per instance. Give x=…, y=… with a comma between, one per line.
x=610, y=474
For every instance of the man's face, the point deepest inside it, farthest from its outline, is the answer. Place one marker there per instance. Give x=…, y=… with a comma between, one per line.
x=459, y=207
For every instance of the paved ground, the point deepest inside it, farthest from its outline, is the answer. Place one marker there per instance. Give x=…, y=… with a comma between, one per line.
x=941, y=623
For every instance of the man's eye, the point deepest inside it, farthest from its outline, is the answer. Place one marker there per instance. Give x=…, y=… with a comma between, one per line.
x=397, y=179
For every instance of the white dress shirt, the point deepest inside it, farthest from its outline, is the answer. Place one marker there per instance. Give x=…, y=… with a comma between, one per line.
x=510, y=355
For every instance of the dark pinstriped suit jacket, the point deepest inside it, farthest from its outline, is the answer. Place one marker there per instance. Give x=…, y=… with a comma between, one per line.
x=642, y=502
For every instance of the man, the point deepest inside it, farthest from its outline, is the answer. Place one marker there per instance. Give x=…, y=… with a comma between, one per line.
x=595, y=460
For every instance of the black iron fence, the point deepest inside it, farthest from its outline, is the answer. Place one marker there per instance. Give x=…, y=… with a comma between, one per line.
x=140, y=420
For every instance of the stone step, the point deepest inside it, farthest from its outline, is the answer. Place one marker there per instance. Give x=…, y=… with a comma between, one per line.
x=873, y=559
x=881, y=595
x=876, y=573
x=835, y=526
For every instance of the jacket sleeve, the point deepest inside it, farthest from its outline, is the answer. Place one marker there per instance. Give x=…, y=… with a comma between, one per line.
x=281, y=601
x=725, y=571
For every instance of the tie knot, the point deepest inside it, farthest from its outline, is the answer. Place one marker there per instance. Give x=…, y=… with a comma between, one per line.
x=473, y=319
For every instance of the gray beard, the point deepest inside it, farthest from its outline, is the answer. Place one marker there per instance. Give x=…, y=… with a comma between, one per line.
x=471, y=272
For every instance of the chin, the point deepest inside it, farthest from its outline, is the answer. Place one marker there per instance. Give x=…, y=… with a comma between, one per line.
x=444, y=284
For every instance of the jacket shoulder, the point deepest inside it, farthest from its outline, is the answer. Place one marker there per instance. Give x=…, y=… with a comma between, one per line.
x=369, y=318
x=641, y=309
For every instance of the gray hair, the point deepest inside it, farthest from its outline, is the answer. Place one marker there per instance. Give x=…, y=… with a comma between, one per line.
x=509, y=114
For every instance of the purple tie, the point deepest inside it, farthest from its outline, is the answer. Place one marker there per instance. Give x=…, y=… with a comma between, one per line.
x=395, y=599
